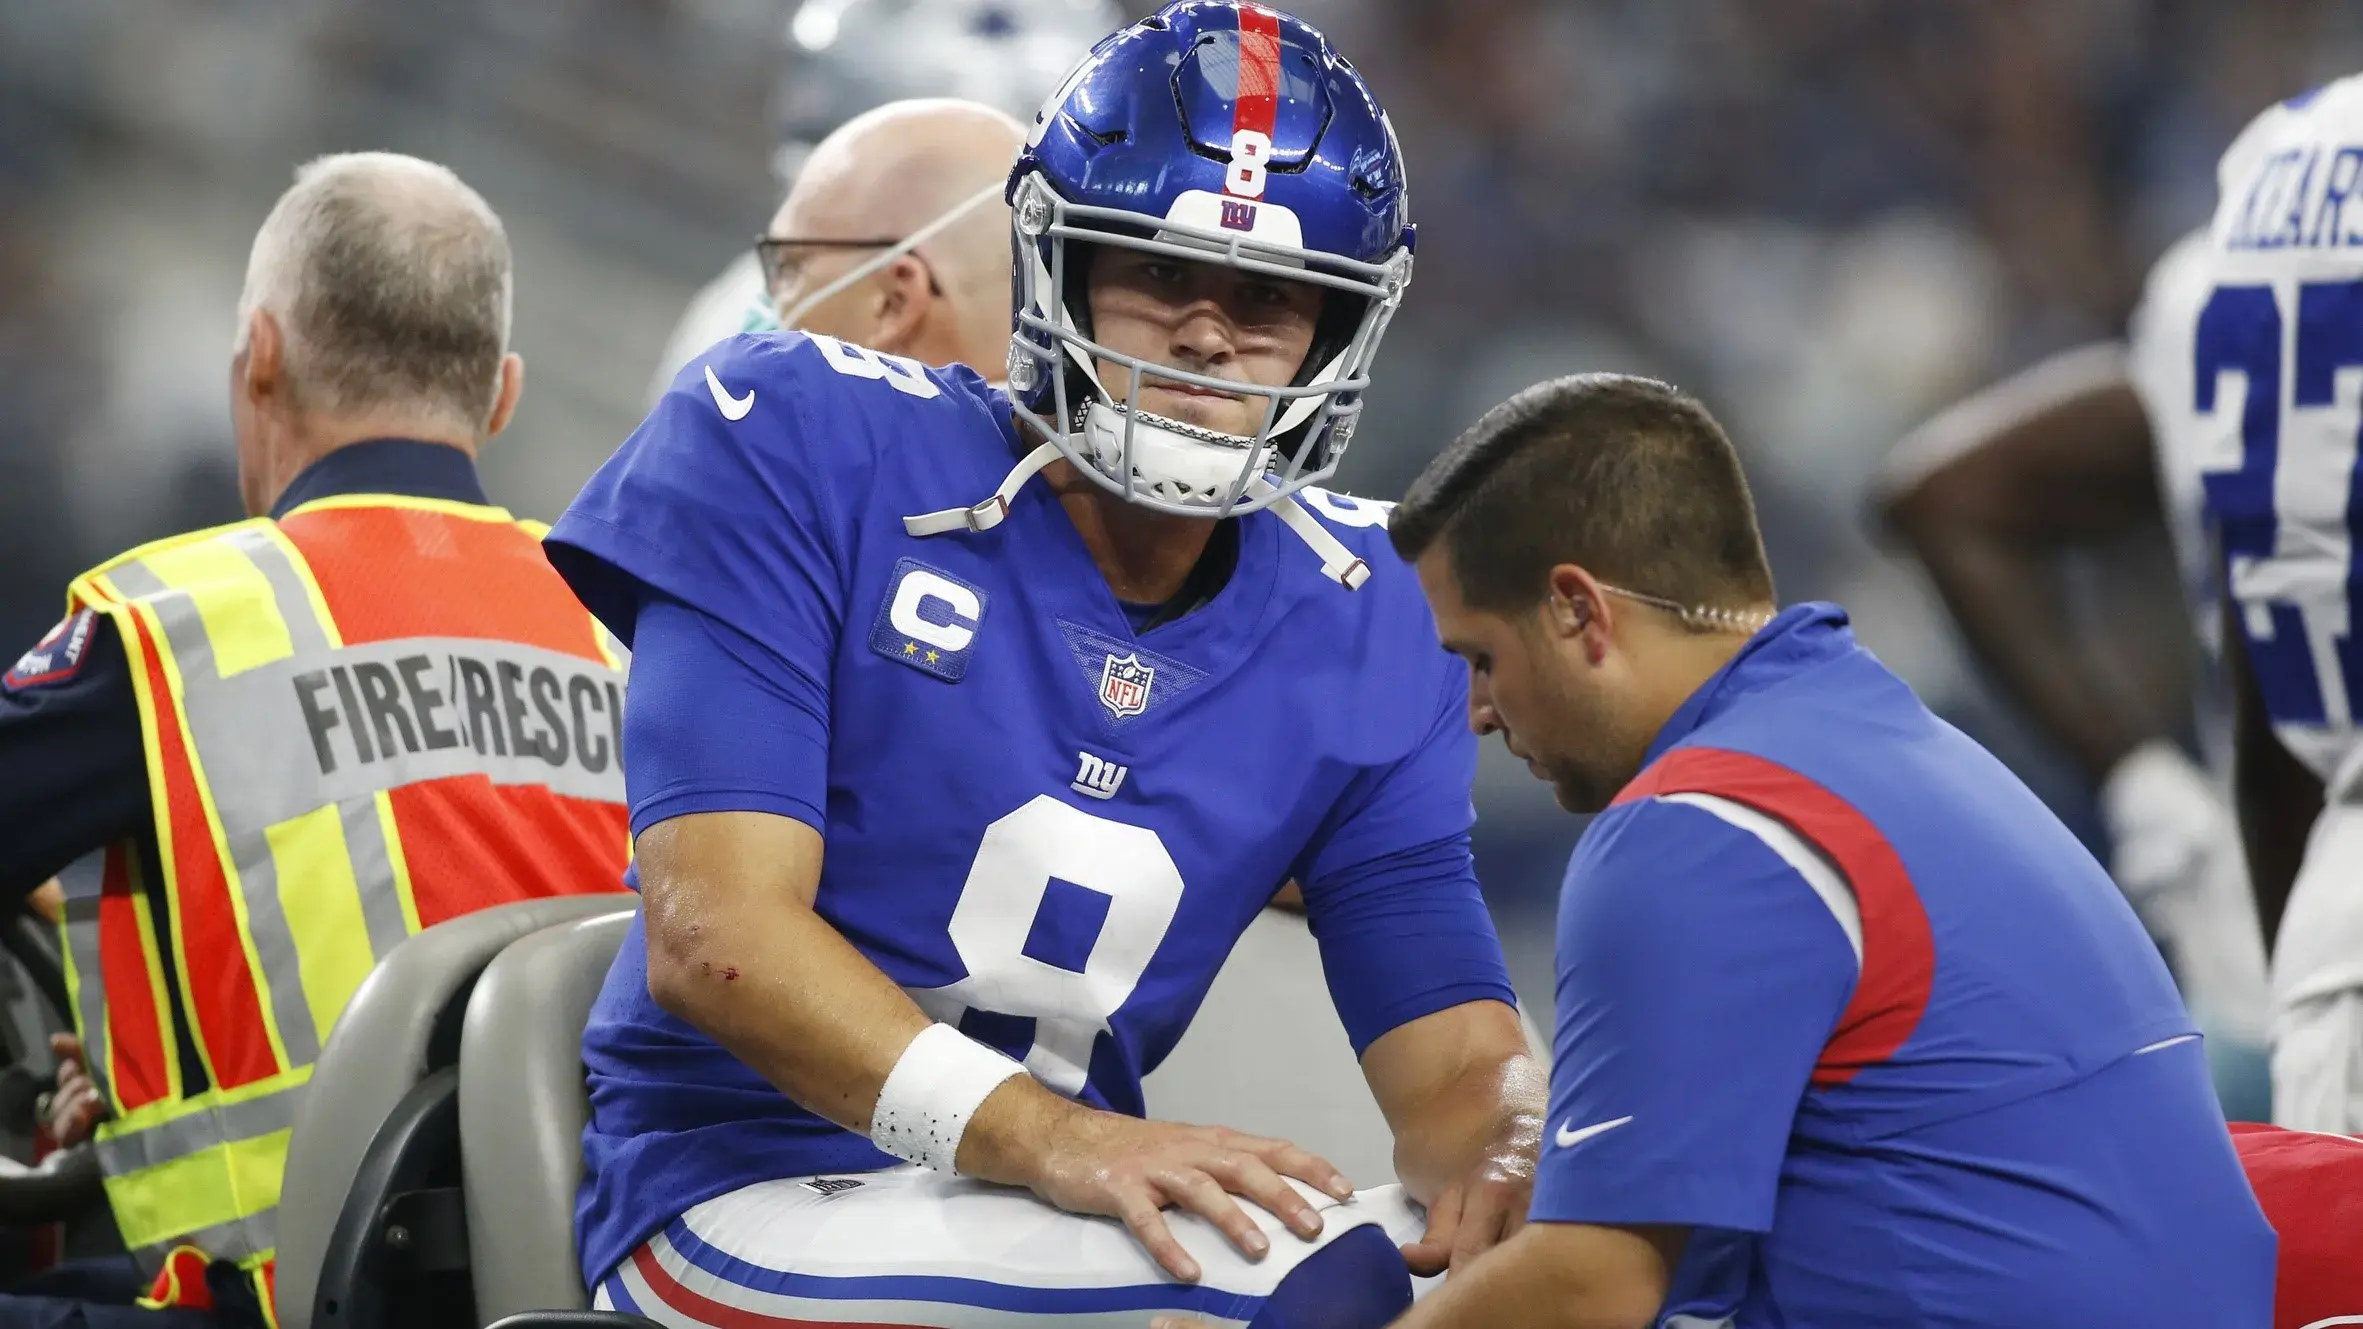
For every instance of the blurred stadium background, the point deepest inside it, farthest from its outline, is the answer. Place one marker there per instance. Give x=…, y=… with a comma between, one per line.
x=1828, y=217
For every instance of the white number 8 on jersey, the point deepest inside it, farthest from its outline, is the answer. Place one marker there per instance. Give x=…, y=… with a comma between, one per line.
x=999, y=905
x=903, y=374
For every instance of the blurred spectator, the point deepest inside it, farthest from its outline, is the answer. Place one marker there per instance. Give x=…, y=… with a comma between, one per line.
x=43, y=360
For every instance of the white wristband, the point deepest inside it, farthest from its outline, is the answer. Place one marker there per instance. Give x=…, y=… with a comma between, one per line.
x=935, y=1087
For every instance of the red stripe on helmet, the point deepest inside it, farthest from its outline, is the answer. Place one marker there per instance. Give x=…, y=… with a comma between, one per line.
x=1258, y=104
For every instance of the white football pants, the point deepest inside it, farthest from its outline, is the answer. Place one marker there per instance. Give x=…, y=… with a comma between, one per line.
x=917, y=1247
x=2318, y=983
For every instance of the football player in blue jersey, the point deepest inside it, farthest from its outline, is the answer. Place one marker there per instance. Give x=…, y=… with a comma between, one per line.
x=952, y=790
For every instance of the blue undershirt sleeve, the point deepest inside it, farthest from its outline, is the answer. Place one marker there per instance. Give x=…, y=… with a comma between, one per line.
x=732, y=728
x=1390, y=888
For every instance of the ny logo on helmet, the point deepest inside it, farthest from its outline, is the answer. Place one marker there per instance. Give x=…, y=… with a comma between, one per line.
x=1238, y=216
x=1124, y=685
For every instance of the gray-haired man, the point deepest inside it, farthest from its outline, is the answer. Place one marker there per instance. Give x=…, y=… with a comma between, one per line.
x=247, y=753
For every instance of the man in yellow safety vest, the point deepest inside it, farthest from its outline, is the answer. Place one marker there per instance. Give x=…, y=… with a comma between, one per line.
x=258, y=757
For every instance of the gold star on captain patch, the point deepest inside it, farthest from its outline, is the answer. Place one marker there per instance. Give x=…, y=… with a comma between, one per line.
x=910, y=648
x=932, y=657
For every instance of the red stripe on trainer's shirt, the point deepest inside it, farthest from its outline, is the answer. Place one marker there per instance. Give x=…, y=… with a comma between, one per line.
x=698, y=1306
x=1899, y=952
x=1258, y=104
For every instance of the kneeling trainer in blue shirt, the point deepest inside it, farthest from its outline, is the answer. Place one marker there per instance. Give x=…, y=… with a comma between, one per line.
x=1851, y=1030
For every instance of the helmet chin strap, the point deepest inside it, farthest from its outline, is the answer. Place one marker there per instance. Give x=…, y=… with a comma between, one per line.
x=795, y=313
x=993, y=509
x=1338, y=563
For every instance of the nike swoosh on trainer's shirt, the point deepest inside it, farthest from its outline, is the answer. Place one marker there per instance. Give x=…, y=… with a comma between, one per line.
x=732, y=408
x=1568, y=1137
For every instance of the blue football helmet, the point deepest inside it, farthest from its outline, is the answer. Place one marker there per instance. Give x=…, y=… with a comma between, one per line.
x=1213, y=132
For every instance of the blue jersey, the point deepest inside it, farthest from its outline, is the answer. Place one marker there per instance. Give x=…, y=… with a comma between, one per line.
x=1837, y=992
x=1047, y=827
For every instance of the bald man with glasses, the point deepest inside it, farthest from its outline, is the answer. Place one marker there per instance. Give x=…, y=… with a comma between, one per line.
x=895, y=237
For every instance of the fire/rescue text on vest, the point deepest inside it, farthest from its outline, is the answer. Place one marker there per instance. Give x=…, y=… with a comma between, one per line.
x=489, y=705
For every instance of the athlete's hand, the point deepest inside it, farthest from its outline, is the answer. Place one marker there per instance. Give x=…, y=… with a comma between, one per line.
x=1106, y=1163
x=2176, y=854
x=2167, y=823
x=1478, y=1213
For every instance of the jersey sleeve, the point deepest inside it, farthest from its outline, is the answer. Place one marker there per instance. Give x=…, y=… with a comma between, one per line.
x=736, y=518
x=1390, y=888
x=73, y=769
x=1699, y=976
x=715, y=528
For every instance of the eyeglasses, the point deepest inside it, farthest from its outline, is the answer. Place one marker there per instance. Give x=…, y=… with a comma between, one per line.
x=780, y=261
x=775, y=255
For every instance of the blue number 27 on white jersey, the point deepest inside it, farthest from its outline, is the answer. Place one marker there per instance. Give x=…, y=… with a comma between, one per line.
x=2280, y=471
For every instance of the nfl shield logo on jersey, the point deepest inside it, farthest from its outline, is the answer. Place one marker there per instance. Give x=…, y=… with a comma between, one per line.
x=1124, y=685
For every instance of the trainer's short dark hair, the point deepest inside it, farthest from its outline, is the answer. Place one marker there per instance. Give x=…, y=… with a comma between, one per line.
x=1627, y=477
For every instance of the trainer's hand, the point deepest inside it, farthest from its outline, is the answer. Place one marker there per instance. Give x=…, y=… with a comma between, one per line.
x=75, y=1106
x=1106, y=1163
x=1478, y=1213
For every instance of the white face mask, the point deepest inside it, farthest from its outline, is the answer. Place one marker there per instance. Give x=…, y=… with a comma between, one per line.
x=794, y=314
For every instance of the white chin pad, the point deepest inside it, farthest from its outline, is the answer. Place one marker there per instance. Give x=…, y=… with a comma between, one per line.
x=1166, y=463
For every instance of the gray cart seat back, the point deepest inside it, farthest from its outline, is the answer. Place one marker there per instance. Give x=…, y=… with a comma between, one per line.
x=522, y=1107
x=398, y=1026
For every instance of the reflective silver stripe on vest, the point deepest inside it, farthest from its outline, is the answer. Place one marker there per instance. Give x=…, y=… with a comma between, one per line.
x=281, y=739
x=274, y=939
x=373, y=860
x=304, y=632
x=83, y=880
x=339, y=725
x=323, y=725
x=235, y=1240
x=250, y=850
x=274, y=942
x=224, y=1123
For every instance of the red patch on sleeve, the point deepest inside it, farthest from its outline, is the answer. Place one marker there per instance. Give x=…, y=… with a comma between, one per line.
x=1898, y=947
x=57, y=657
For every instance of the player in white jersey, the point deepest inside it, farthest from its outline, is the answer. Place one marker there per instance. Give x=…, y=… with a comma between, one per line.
x=843, y=59
x=2277, y=363
x=2082, y=451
